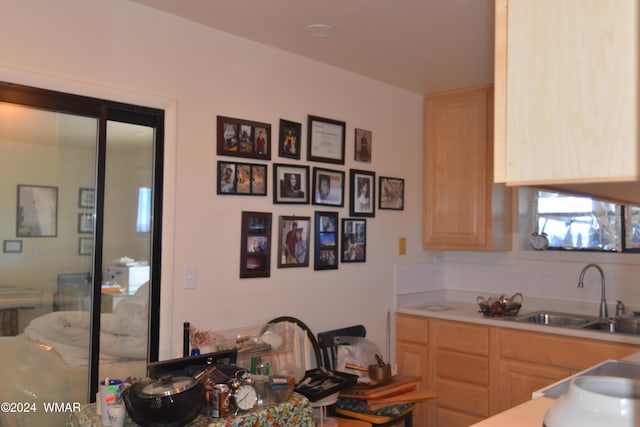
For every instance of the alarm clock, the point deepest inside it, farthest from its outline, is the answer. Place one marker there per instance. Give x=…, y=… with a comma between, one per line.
x=539, y=241
x=243, y=395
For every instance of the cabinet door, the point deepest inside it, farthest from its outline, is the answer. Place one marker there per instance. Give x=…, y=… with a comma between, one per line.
x=518, y=380
x=566, y=91
x=413, y=359
x=459, y=195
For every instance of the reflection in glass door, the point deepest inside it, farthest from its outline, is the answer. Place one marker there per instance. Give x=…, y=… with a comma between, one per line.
x=80, y=221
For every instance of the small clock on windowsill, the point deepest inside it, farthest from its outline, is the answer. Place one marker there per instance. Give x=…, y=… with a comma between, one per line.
x=539, y=241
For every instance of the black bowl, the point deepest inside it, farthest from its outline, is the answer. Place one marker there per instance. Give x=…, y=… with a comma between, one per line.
x=167, y=411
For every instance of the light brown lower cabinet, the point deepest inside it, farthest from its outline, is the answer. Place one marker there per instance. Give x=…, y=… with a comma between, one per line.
x=478, y=371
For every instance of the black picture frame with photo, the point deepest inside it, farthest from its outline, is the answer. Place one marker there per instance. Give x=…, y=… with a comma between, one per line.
x=13, y=246
x=293, y=241
x=328, y=187
x=255, y=245
x=325, y=140
x=243, y=138
x=327, y=244
x=241, y=179
x=289, y=139
x=86, y=198
x=85, y=246
x=391, y=193
x=363, y=145
x=86, y=223
x=354, y=240
x=290, y=184
x=362, y=199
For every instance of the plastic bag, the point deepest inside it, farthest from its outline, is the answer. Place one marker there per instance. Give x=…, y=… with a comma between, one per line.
x=357, y=351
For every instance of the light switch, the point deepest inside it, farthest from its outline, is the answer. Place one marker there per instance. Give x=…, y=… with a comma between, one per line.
x=402, y=246
x=190, y=274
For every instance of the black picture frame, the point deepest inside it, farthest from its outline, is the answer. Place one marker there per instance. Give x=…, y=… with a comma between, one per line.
x=86, y=198
x=290, y=136
x=293, y=241
x=391, y=193
x=37, y=211
x=326, y=245
x=325, y=140
x=241, y=179
x=243, y=138
x=86, y=222
x=362, y=200
x=255, y=245
x=85, y=246
x=290, y=184
x=363, y=145
x=12, y=246
x=354, y=240
x=328, y=187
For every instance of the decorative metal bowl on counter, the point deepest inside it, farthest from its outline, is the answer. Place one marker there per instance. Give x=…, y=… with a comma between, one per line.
x=501, y=306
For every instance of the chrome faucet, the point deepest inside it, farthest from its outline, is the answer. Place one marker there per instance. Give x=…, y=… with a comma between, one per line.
x=603, y=301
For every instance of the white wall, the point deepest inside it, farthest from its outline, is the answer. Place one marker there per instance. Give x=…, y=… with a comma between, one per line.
x=128, y=52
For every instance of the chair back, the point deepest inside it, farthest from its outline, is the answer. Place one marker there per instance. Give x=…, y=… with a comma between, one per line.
x=329, y=346
x=305, y=352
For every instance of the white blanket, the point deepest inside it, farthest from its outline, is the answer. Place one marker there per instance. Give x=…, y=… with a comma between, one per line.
x=123, y=332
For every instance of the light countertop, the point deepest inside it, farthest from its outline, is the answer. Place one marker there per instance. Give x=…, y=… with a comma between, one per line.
x=462, y=307
x=528, y=414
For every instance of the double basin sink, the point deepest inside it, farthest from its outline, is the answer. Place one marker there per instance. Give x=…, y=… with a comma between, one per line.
x=567, y=320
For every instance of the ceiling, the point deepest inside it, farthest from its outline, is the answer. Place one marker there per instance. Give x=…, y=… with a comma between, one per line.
x=424, y=46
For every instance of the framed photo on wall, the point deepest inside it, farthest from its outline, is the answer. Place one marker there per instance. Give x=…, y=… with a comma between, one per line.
x=391, y=193
x=326, y=241
x=289, y=141
x=244, y=179
x=290, y=184
x=37, y=212
x=243, y=138
x=85, y=246
x=85, y=222
x=255, y=245
x=86, y=198
x=363, y=145
x=325, y=140
x=328, y=187
x=13, y=246
x=354, y=240
x=293, y=237
x=362, y=200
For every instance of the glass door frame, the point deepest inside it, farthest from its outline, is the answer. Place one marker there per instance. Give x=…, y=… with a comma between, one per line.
x=104, y=111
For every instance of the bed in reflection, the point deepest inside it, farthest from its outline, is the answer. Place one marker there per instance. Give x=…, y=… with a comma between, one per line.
x=49, y=361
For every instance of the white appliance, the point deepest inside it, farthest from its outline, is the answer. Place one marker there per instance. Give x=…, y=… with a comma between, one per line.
x=129, y=277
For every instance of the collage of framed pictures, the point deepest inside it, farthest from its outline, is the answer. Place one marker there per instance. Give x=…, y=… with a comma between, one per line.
x=243, y=138
x=298, y=184
x=255, y=248
x=241, y=179
x=326, y=241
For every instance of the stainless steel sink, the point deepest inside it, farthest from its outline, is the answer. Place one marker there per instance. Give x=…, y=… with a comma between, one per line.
x=557, y=319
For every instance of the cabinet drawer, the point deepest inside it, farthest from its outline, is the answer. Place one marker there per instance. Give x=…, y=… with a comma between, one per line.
x=463, y=367
x=463, y=337
x=412, y=329
x=468, y=398
x=559, y=351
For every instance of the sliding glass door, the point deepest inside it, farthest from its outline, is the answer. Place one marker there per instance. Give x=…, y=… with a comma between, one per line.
x=80, y=221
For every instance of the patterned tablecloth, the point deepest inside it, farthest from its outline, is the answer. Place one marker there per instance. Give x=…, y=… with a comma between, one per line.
x=294, y=412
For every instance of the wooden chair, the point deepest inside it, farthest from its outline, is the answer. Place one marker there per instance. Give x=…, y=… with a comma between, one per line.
x=329, y=349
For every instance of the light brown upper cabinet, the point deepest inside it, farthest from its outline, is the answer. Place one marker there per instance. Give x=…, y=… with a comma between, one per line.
x=462, y=208
x=566, y=95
